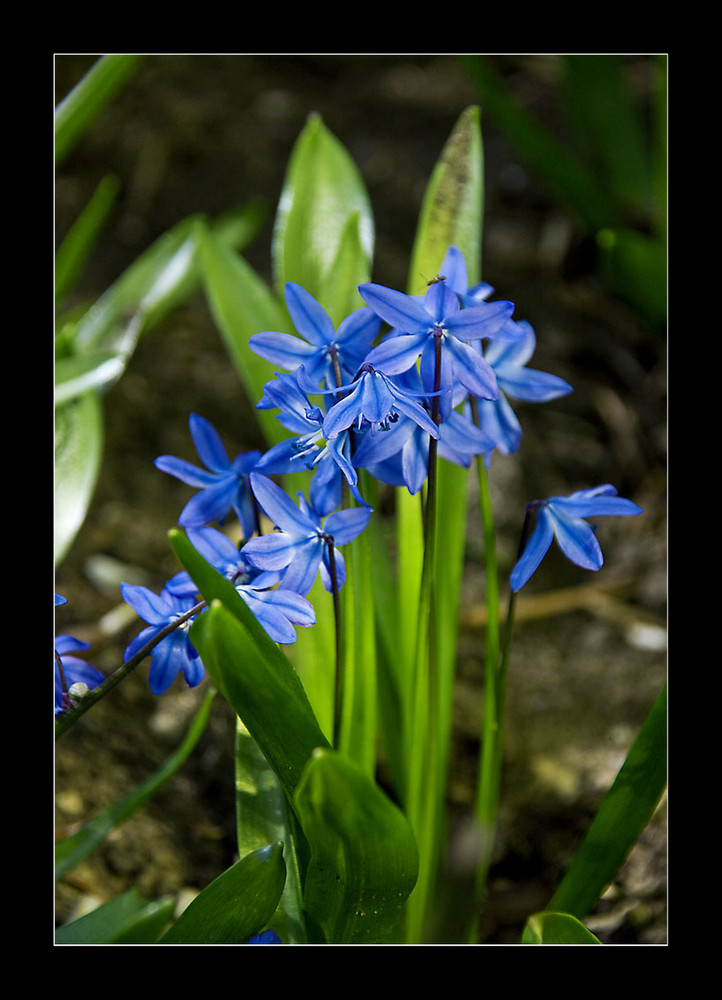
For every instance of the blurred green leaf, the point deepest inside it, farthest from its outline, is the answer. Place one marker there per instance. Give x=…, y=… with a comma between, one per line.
x=452, y=210
x=242, y=304
x=78, y=453
x=634, y=267
x=236, y=905
x=556, y=928
x=74, y=849
x=77, y=374
x=607, y=128
x=127, y=919
x=75, y=249
x=322, y=192
x=625, y=811
x=363, y=862
x=77, y=111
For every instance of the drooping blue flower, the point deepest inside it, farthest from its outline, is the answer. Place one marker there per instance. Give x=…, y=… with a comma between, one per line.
x=562, y=518
x=175, y=653
x=417, y=323
x=508, y=358
x=75, y=671
x=398, y=453
x=223, y=484
x=277, y=609
x=329, y=356
x=373, y=398
x=299, y=548
x=265, y=937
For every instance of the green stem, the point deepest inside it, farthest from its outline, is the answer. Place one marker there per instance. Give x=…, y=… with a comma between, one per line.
x=339, y=679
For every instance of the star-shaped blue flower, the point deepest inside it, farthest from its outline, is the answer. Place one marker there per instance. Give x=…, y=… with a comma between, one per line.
x=276, y=609
x=418, y=322
x=223, y=484
x=329, y=356
x=299, y=548
x=175, y=653
x=561, y=518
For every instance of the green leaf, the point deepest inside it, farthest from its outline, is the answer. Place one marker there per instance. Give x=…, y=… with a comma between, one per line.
x=322, y=192
x=363, y=862
x=76, y=374
x=127, y=919
x=80, y=240
x=236, y=905
x=452, y=210
x=242, y=304
x=72, y=850
x=625, y=811
x=78, y=452
x=556, y=928
x=634, y=266
x=75, y=114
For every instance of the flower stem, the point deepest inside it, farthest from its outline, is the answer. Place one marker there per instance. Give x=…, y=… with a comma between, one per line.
x=338, y=685
x=69, y=718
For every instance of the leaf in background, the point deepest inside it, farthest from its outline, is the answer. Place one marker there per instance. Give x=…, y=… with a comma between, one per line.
x=75, y=249
x=452, y=210
x=242, y=304
x=236, y=905
x=77, y=374
x=625, y=811
x=127, y=919
x=78, y=453
x=363, y=862
x=74, y=849
x=634, y=267
x=556, y=928
x=77, y=111
x=322, y=191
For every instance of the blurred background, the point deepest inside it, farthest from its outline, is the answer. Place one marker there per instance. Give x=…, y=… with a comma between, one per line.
x=574, y=235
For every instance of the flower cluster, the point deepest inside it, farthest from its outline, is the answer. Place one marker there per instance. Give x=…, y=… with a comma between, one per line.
x=372, y=394
x=73, y=676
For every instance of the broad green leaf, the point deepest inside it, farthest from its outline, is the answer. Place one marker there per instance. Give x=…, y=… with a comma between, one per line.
x=236, y=905
x=74, y=849
x=77, y=374
x=77, y=111
x=80, y=240
x=350, y=268
x=78, y=452
x=634, y=266
x=363, y=862
x=242, y=304
x=452, y=210
x=322, y=191
x=625, y=811
x=271, y=702
x=127, y=919
x=556, y=928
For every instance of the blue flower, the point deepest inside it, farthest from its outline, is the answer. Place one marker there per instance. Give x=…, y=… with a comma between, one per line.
x=561, y=518
x=75, y=670
x=277, y=610
x=265, y=937
x=223, y=484
x=329, y=356
x=175, y=653
x=418, y=322
x=306, y=450
x=299, y=548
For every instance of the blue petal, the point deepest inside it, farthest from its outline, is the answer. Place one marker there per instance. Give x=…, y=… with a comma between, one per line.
x=208, y=444
x=345, y=525
x=401, y=311
x=301, y=572
x=211, y=504
x=282, y=349
x=149, y=606
x=397, y=353
x=479, y=321
x=274, y=551
x=279, y=507
x=594, y=506
x=471, y=369
x=529, y=384
x=185, y=471
x=577, y=541
x=309, y=317
x=535, y=550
